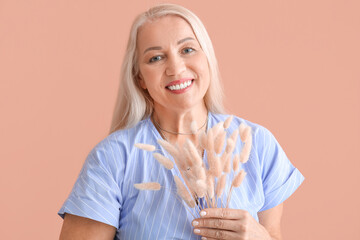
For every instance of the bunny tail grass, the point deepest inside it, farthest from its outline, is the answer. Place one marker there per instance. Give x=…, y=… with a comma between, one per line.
x=167, y=163
x=146, y=147
x=210, y=186
x=227, y=165
x=199, y=172
x=239, y=178
x=224, y=159
x=236, y=162
x=169, y=147
x=217, y=129
x=210, y=141
x=193, y=127
x=148, y=186
x=228, y=122
x=183, y=192
x=230, y=145
x=218, y=168
x=245, y=152
x=236, y=183
x=219, y=142
x=193, y=152
x=200, y=188
x=220, y=186
x=245, y=132
x=203, y=140
x=234, y=135
x=174, y=152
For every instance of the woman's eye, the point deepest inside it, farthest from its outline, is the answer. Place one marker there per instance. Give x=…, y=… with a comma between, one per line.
x=155, y=59
x=188, y=50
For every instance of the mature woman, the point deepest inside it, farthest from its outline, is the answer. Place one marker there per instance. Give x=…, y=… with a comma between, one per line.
x=169, y=80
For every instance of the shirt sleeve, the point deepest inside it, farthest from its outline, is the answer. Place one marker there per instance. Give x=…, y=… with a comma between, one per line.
x=279, y=177
x=96, y=194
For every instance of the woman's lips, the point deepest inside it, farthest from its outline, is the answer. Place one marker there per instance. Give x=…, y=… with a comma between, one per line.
x=179, y=85
x=179, y=81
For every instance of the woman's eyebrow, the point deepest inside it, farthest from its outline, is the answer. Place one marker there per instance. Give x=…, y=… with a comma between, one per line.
x=152, y=48
x=159, y=48
x=184, y=40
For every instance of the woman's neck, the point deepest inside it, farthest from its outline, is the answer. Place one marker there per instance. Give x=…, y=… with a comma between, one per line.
x=175, y=125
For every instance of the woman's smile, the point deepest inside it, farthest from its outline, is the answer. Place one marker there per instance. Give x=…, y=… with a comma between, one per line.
x=180, y=86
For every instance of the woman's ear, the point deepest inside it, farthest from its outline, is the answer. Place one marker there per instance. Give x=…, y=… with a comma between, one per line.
x=141, y=81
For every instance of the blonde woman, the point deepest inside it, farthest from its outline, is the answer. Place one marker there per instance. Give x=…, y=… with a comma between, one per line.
x=170, y=79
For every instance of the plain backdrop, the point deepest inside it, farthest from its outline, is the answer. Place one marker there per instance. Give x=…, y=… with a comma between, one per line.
x=291, y=66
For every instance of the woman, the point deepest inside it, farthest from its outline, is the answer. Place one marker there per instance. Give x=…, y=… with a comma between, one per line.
x=170, y=79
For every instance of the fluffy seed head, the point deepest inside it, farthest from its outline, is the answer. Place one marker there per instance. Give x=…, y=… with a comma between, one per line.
x=171, y=149
x=223, y=159
x=200, y=172
x=230, y=145
x=218, y=128
x=146, y=147
x=241, y=130
x=210, y=141
x=227, y=122
x=203, y=140
x=220, y=185
x=234, y=135
x=219, y=141
x=195, y=156
x=236, y=162
x=183, y=192
x=227, y=165
x=200, y=188
x=167, y=163
x=210, y=186
x=245, y=152
x=245, y=132
x=239, y=178
x=215, y=166
x=187, y=156
x=148, y=186
x=193, y=127
x=175, y=153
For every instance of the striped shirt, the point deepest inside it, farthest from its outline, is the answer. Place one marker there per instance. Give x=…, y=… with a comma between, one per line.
x=104, y=190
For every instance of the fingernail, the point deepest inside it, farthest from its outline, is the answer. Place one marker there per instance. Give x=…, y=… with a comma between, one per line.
x=203, y=238
x=196, y=230
x=202, y=213
x=195, y=223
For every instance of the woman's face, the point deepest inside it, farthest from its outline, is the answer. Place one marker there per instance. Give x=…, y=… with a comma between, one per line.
x=173, y=67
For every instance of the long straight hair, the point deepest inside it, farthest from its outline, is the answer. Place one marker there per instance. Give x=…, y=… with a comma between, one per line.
x=133, y=104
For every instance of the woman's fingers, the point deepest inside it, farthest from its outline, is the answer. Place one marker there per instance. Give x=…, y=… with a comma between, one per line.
x=216, y=223
x=209, y=233
x=224, y=223
x=224, y=213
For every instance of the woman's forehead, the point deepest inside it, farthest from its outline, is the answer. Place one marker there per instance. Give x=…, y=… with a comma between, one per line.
x=164, y=30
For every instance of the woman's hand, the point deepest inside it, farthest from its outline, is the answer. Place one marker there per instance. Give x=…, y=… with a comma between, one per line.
x=225, y=223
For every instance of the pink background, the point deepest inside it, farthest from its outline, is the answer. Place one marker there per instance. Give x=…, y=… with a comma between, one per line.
x=291, y=66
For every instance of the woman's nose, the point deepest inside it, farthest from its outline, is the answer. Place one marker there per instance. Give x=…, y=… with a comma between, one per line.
x=175, y=66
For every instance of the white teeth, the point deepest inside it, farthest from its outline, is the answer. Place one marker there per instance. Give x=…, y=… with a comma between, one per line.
x=180, y=86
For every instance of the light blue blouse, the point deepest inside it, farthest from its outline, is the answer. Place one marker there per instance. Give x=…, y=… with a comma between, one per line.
x=104, y=190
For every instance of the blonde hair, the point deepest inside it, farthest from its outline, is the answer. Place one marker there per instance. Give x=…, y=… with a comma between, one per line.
x=133, y=104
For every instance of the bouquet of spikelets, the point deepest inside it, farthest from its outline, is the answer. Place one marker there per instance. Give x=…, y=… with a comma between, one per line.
x=201, y=181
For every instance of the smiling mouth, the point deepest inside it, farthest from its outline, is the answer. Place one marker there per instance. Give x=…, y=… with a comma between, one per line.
x=180, y=86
